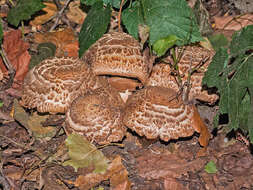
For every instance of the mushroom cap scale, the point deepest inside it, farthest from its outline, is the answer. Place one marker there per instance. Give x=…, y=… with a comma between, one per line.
x=117, y=54
x=94, y=116
x=54, y=83
x=158, y=112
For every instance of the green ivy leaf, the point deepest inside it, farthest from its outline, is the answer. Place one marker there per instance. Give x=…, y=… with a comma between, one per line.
x=94, y=26
x=173, y=17
x=23, y=11
x=211, y=167
x=132, y=17
x=83, y=154
x=242, y=41
x=162, y=45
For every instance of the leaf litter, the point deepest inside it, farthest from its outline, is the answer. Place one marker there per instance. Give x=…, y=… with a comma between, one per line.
x=141, y=164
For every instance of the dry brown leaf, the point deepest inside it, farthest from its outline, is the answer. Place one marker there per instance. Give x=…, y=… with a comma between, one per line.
x=165, y=165
x=116, y=172
x=171, y=183
x=48, y=12
x=16, y=50
x=75, y=14
x=13, y=172
x=233, y=23
x=65, y=41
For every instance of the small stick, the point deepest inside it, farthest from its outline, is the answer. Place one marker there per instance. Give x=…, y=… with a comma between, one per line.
x=59, y=15
x=119, y=16
x=11, y=70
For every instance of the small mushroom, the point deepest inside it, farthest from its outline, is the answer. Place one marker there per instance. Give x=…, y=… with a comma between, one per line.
x=159, y=112
x=97, y=116
x=162, y=74
x=54, y=83
x=117, y=54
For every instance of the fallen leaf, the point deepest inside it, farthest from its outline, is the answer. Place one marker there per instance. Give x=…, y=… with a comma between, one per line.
x=65, y=41
x=171, y=183
x=33, y=122
x=210, y=167
x=16, y=50
x=75, y=14
x=84, y=154
x=232, y=22
x=13, y=172
x=153, y=166
x=48, y=13
x=44, y=51
x=116, y=172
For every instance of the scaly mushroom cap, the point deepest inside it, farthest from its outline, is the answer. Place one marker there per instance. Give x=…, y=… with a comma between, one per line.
x=159, y=112
x=97, y=117
x=162, y=75
x=117, y=54
x=54, y=83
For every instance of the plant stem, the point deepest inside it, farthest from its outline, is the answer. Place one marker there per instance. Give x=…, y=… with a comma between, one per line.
x=119, y=16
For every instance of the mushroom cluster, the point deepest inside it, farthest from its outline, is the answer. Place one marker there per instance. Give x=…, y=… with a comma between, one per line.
x=88, y=91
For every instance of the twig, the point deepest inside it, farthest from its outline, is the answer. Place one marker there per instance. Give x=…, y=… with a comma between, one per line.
x=59, y=15
x=119, y=16
x=11, y=70
x=17, y=144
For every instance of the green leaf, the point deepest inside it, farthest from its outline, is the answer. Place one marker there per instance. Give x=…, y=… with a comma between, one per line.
x=211, y=167
x=114, y=3
x=94, y=26
x=242, y=41
x=89, y=2
x=1, y=32
x=237, y=89
x=132, y=17
x=23, y=11
x=218, y=41
x=214, y=75
x=244, y=111
x=83, y=154
x=1, y=104
x=173, y=17
x=250, y=116
x=162, y=45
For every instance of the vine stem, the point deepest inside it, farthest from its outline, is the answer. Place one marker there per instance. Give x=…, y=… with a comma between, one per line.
x=119, y=16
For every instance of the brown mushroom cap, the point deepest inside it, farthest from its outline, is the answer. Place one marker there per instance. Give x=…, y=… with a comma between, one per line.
x=159, y=112
x=162, y=75
x=117, y=54
x=54, y=83
x=96, y=116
